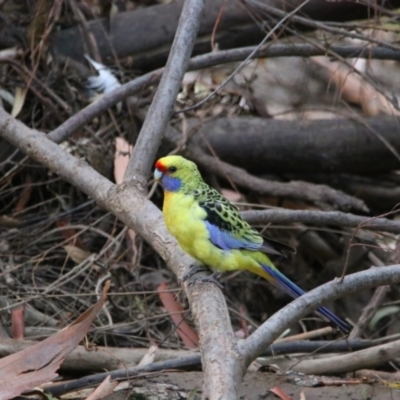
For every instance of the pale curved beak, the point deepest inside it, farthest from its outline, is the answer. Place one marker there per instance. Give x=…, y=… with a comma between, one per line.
x=157, y=174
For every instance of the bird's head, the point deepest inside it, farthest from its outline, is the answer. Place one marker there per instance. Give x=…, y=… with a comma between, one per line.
x=175, y=173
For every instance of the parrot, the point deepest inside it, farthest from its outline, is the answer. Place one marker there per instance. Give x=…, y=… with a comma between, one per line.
x=209, y=228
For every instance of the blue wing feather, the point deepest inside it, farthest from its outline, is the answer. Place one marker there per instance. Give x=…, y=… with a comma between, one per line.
x=228, y=231
x=226, y=241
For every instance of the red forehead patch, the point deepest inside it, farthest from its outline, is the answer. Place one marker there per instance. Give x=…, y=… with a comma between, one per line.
x=160, y=166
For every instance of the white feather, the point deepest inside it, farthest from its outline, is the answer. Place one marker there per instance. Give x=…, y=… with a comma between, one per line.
x=104, y=82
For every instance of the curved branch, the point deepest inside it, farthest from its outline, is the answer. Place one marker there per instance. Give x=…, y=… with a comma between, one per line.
x=321, y=218
x=251, y=347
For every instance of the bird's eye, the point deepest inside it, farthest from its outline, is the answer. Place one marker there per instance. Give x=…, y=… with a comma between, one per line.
x=172, y=169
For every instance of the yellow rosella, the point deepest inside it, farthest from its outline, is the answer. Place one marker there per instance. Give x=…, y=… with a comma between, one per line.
x=210, y=228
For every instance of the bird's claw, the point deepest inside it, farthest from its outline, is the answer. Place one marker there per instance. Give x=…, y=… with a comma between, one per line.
x=208, y=279
x=194, y=269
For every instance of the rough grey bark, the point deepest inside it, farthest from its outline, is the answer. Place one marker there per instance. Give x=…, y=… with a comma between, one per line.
x=132, y=207
x=228, y=356
x=161, y=107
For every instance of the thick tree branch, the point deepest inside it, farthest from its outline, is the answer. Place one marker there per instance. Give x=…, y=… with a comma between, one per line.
x=220, y=359
x=162, y=105
x=274, y=326
x=321, y=218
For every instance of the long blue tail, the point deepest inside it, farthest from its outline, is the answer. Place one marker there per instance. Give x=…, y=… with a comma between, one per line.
x=293, y=290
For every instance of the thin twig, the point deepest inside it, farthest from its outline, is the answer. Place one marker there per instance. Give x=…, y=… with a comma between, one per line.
x=374, y=302
x=321, y=218
x=123, y=374
x=271, y=32
x=205, y=61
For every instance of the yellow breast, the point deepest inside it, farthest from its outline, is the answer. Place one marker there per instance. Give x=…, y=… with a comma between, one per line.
x=185, y=221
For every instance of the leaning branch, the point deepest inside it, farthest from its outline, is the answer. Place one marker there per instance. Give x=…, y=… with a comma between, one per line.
x=162, y=105
x=136, y=211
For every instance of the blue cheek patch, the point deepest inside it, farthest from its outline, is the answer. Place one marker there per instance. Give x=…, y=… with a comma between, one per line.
x=171, y=184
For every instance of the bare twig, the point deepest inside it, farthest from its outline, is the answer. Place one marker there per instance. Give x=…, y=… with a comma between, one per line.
x=316, y=346
x=320, y=218
x=132, y=207
x=84, y=116
x=367, y=358
x=95, y=379
x=373, y=304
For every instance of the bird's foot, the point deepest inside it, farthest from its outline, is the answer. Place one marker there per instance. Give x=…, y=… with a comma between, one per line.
x=194, y=269
x=209, y=279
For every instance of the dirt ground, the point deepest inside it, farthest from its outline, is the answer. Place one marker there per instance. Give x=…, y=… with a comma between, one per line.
x=256, y=385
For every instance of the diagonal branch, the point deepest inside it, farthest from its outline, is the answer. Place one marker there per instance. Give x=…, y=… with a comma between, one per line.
x=222, y=364
x=162, y=105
